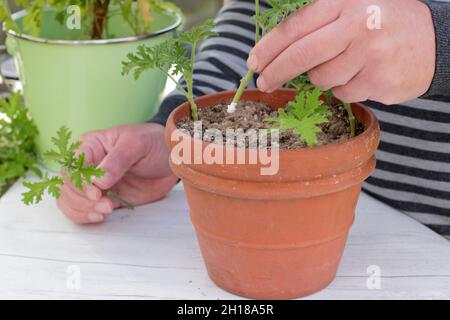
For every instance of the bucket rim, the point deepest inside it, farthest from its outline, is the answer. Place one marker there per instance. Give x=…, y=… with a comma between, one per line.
x=31, y=38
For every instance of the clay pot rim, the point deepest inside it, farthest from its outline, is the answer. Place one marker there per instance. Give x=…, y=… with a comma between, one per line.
x=370, y=125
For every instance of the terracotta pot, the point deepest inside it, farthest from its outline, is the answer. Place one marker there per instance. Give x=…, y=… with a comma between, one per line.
x=275, y=236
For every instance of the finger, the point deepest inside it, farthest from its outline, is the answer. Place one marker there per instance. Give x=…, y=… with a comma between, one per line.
x=301, y=23
x=94, y=151
x=338, y=71
x=92, y=147
x=358, y=89
x=118, y=161
x=305, y=54
x=79, y=216
x=92, y=192
x=75, y=201
x=150, y=190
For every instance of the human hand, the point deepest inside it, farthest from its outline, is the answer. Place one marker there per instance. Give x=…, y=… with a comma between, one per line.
x=332, y=41
x=135, y=161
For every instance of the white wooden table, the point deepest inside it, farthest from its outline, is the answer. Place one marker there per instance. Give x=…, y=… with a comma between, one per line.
x=151, y=253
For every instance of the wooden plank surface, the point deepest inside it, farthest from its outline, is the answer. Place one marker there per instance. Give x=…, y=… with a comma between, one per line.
x=151, y=253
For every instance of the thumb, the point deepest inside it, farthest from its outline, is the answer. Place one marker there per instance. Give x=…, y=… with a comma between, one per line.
x=116, y=163
x=92, y=149
x=88, y=156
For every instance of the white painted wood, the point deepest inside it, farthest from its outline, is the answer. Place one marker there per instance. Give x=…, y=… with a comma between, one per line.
x=151, y=253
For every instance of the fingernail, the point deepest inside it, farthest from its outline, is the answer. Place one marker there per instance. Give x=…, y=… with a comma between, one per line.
x=262, y=84
x=93, y=193
x=87, y=155
x=252, y=62
x=104, y=207
x=95, y=217
x=104, y=181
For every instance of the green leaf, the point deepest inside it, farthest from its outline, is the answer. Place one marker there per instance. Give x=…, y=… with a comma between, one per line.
x=75, y=167
x=199, y=33
x=168, y=53
x=17, y=136
x=171, y=53
x=303, y=116
x=83, y=174
x=65, y=149
x=302, y=83
x=278, y=11
x=36, y=190
x=5, y=16
x=61, y=141
x=161, y=57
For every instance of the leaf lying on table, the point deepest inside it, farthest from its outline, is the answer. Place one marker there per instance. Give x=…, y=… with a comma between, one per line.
x=73, y=166
x=17, y=147
x=303, y=116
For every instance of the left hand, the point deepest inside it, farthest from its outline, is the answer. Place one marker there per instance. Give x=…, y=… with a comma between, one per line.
x=332, y=41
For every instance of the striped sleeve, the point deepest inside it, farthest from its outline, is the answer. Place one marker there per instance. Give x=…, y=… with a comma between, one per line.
x=222, y=60
x=413, y=161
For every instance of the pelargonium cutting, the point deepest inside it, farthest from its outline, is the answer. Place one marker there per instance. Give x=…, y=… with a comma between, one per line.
x=74, y=169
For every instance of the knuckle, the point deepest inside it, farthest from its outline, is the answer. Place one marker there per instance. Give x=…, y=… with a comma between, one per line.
x=342, y=93
x=386, y=100
x=77, y=220
x=316, y=77
x=136, y=144
x=300, y=55
x=88, y=136
x=69, y=214
x=114, y=170
x=292, y=26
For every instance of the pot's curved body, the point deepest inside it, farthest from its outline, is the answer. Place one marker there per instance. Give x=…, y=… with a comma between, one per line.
x=78, y=83
x=279, y=236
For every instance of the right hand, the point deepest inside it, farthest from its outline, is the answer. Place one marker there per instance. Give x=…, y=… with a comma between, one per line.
x=136, y=164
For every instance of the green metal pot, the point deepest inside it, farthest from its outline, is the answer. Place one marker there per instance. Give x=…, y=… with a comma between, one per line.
x=78, y=83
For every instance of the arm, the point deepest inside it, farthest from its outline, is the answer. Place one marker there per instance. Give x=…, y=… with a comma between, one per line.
x=221, y=60
x=440, y=86
x=378, y=50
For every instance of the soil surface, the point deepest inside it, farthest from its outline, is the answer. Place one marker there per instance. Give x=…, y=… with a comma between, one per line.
x=251, y=115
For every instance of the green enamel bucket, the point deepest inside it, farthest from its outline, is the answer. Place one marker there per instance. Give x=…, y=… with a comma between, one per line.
x=78, y=83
